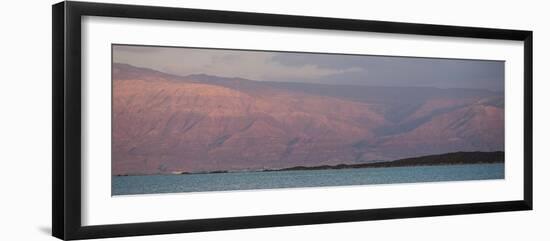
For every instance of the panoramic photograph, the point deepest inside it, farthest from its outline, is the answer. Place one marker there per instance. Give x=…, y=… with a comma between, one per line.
x=188, y=119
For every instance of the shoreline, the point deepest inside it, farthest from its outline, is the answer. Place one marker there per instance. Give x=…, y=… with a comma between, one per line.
x=455, y=158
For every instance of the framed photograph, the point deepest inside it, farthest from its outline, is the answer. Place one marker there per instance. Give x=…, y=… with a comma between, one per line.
x=170, y=120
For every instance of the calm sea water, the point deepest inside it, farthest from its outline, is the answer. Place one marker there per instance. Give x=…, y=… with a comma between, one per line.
x=123, y=185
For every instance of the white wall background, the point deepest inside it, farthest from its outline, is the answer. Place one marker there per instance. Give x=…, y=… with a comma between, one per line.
x=25, y=123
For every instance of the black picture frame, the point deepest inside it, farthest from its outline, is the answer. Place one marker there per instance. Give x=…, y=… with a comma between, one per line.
x=66, y=75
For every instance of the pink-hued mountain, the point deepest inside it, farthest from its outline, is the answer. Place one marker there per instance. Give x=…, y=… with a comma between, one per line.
x=165, y=123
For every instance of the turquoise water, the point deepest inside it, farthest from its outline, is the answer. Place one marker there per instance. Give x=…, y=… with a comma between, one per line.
x=123, y=185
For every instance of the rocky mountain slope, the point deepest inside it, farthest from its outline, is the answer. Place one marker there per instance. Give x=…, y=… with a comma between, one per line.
x=164, y=123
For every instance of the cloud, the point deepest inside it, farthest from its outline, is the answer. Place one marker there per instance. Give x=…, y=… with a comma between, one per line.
x=404, y=71
x=255, y=65
x=317, y=68
x=135, y=49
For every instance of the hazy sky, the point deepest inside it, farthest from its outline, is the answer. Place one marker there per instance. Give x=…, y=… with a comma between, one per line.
x=317, y=68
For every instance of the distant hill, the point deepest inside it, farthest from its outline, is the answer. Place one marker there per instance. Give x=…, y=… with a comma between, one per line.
x=456, y=158
x=164, y=123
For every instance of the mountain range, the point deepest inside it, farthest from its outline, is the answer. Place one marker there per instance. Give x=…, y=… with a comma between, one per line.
x=163, y=123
